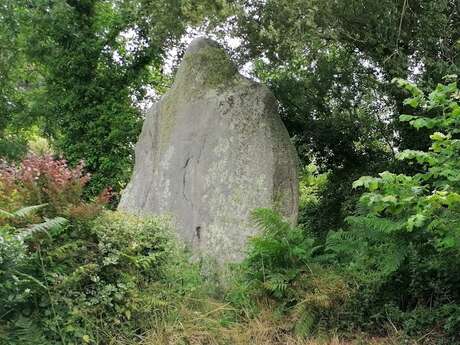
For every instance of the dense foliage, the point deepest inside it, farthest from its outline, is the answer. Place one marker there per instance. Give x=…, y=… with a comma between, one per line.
x=82, y=283
x=330, y=64
x=379, y=255
x=284, y=269
x=41, y=180
x=398, y=259
x=86, y=278
x=402, y=246
x=77, y=68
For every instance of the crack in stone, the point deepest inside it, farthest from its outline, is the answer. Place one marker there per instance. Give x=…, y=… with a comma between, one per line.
x=184, y=180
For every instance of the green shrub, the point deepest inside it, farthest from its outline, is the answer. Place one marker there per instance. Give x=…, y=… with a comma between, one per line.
x=277, y=257
x=312, y=186
x=283, y=268
x=403, y=246
x=397, y=262
x=12, y=147
x=85, y=282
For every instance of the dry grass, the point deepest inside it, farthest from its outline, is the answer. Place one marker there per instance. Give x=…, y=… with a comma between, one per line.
x=205, y=328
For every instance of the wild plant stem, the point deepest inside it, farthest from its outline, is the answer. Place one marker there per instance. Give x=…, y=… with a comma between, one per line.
x=61, y=335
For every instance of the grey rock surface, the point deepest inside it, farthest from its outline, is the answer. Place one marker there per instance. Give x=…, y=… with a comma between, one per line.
x=212, y=150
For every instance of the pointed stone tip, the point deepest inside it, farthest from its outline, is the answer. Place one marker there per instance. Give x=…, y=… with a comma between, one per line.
x=205, y=65
x=200, y=43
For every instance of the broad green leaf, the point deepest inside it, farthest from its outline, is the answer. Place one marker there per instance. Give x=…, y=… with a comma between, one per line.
x=420, y=123
x=365, y=182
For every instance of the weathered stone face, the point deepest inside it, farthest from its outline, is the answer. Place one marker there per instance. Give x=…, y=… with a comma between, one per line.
x=212, y=150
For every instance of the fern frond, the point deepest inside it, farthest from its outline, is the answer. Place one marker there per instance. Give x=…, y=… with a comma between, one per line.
x=5, y=214
x=363, y=228
x=30, y=278
x=49, y=224
x=373, y=223
x=26, y=211
x=269, y=221
x=395, y=256
x=276, y=283
x=21, y=213
x=27, y=330
x=43, y=227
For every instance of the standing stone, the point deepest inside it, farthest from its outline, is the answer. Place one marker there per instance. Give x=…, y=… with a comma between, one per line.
x=212, y=150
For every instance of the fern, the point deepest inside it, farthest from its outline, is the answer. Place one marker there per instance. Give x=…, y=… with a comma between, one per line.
x=277, y=283
x=47, y=225
x=372, y=246
x=28, y=277
x=28, y=210
x=26, y=331
x=34, y=228
x=277, y=256
x=5, y=214
x=374, y=223
x=269, y=221
x=21, y=213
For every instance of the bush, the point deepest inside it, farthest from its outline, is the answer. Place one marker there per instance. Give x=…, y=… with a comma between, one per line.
x=403, y=246
x=40, y=180
x=12, y=147
x=283, y=269
x=396, y=263
x=85, y=281
x=312, y=186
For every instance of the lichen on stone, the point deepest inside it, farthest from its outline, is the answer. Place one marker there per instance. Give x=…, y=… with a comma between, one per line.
x=167, y=122
x=207, y=68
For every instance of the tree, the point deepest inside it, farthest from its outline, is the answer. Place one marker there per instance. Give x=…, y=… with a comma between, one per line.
x=330, y=65
x=95, y=57
x=402, y=248
x=12, y=105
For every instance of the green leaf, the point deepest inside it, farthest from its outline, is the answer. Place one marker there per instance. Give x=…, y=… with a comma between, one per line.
x=366, y=182
x=413, y=102
x=437, y=136
x=26, y=211
x=407, y=118
x=420, y=123
x=390, y=199
x=415, y=221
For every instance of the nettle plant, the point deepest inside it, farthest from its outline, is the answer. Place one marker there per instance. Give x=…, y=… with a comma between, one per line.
x=428, y=201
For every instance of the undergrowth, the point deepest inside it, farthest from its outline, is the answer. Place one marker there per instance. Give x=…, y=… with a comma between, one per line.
x=72, y=272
